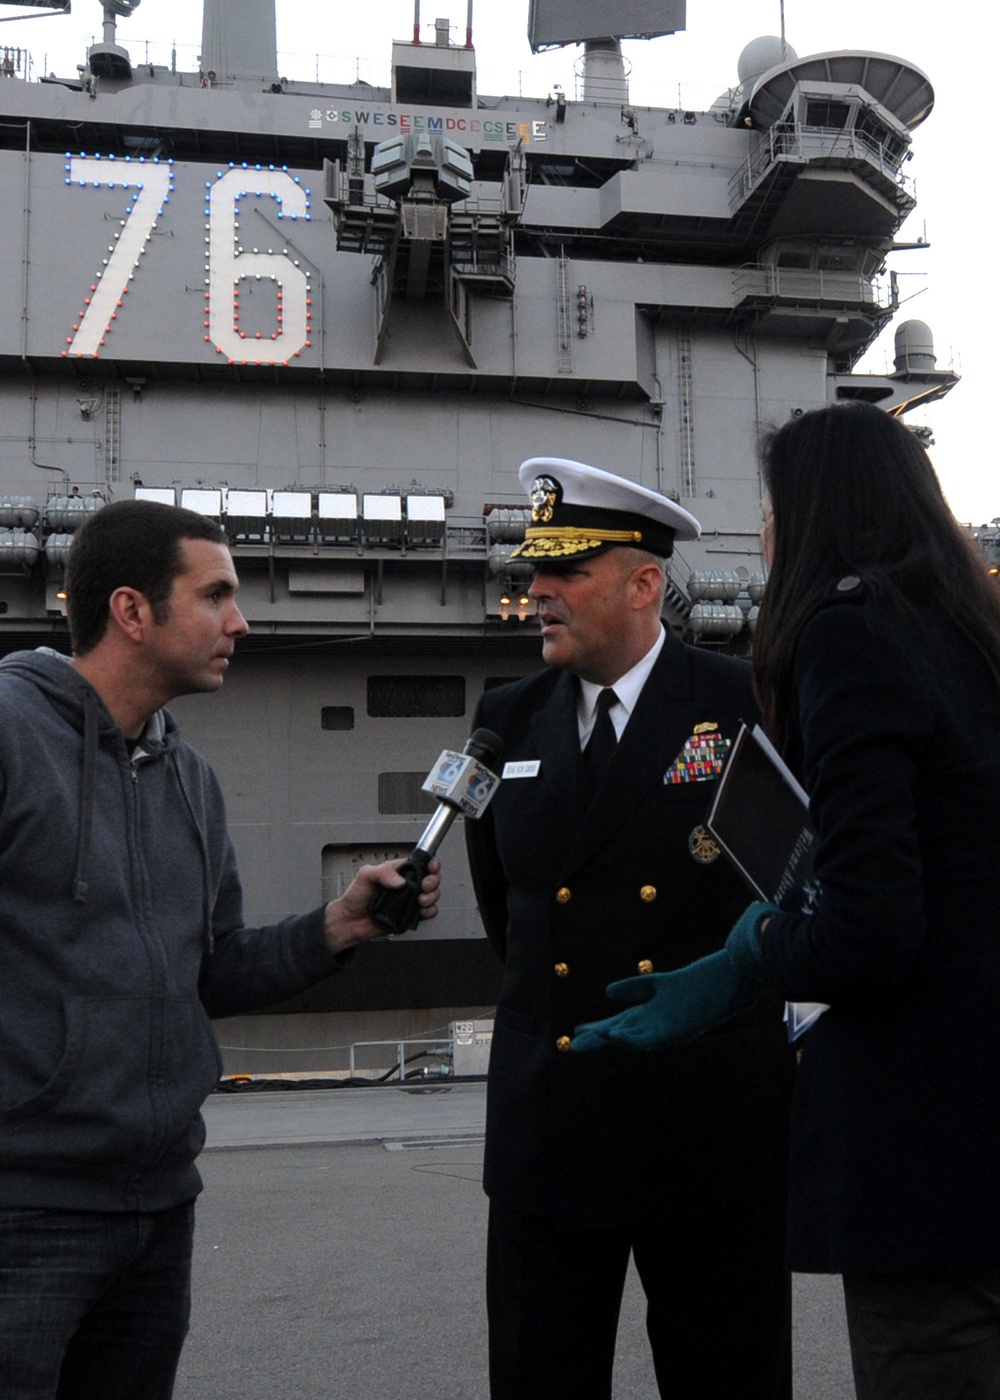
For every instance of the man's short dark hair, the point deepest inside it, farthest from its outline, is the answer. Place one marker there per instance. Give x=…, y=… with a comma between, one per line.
x=127, y=544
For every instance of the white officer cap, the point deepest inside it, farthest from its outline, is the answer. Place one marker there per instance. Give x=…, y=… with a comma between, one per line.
x=579, y=511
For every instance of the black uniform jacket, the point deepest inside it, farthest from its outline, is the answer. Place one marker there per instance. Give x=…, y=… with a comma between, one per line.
x=896, y=1128
x=575, y=894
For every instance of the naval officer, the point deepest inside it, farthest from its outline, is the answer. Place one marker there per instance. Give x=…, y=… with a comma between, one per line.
x=593, y=864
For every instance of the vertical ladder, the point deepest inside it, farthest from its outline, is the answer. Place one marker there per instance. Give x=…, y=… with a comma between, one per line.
x=685, y=412
x=563, y=313
x=112, y=436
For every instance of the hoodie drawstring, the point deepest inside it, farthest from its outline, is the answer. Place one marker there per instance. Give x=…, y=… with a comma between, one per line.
x=208, y=901
x=87, y=784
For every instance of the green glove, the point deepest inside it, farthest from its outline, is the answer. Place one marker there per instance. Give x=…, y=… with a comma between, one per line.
x=669, y=1008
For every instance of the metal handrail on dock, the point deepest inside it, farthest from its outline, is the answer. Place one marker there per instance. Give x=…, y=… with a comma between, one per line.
x=445, y=1047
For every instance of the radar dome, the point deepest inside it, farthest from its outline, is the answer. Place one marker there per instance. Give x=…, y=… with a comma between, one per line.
x=914, y=347
x=763, y=54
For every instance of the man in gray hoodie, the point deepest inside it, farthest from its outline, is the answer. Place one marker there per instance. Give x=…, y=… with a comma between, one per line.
x=121, y=933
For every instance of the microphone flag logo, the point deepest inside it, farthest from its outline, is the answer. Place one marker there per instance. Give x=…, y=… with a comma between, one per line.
x=462, y=782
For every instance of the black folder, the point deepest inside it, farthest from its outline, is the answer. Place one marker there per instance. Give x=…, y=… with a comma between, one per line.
x=760, y=818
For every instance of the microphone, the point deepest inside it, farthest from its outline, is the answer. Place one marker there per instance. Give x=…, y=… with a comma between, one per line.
x=463, y=785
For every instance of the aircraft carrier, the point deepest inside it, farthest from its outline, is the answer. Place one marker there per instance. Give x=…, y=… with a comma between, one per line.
x=338, y=317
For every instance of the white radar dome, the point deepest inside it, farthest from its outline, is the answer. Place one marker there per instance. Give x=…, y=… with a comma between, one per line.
x=914, y=347
x=763, y=54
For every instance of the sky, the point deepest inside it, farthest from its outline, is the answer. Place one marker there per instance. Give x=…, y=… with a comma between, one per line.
x=942, y=285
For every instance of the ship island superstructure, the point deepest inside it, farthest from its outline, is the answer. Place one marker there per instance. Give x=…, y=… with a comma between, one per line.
x=338, y=318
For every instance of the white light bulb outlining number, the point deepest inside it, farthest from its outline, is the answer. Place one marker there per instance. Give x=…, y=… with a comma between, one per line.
x=228, y=266
x=152, y=181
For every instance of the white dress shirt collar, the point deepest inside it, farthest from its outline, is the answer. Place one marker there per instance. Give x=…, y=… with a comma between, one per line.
x=627, y=688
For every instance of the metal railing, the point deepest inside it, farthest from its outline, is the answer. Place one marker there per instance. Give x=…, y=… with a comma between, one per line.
x=790, y=284
x=796, y=143
x=437, y=1047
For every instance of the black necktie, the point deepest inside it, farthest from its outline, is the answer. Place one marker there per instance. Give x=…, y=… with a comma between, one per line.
x=603, y=739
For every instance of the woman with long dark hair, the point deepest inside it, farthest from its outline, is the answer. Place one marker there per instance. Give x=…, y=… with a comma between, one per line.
x=877, y=664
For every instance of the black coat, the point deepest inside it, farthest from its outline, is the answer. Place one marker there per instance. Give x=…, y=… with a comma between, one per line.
x=896, y=1128
x=574, y=896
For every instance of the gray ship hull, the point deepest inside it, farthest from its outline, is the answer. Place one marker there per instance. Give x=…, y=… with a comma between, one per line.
x=338, y=319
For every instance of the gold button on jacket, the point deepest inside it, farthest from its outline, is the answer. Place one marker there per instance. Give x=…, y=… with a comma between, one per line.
x=645, y=966
x=562, y=969
x=563, y=1043
x=563, y=896
x=647, y=894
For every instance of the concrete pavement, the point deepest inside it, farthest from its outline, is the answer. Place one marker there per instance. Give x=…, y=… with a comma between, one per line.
x=340, y=1256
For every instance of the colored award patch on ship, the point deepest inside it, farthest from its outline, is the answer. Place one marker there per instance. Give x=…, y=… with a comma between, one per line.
x=702, y=758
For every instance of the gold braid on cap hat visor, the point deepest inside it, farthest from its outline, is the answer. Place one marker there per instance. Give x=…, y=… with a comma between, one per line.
x=557, y=540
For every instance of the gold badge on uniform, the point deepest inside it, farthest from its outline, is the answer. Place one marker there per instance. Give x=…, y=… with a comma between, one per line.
x=703, y=847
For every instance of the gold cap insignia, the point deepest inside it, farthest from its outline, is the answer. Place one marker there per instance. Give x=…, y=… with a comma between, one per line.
x=544, y=495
